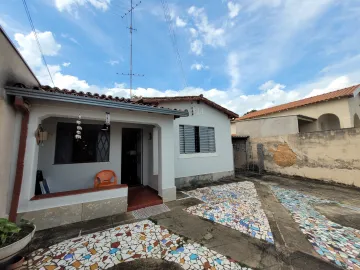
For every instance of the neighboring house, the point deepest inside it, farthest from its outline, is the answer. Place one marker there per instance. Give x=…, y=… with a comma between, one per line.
x=12, y=69
x=330, y=111
x=162, y=143
x=316, y=138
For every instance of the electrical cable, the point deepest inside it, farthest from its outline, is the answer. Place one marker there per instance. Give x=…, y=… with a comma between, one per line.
x=37, y=39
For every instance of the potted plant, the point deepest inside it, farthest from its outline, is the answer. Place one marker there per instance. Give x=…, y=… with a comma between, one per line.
x=14, y=238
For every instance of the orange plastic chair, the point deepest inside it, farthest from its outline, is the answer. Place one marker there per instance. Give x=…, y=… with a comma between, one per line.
x=103, y=179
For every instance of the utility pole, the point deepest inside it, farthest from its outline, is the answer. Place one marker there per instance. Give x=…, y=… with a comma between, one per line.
x=131, y=74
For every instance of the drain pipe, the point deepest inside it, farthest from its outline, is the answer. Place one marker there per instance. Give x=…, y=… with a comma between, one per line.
x=23, y=108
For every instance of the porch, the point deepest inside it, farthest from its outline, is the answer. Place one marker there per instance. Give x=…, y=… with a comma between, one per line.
x=138, y=147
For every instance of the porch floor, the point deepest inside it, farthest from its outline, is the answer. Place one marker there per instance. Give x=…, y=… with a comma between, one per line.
x=141, y=197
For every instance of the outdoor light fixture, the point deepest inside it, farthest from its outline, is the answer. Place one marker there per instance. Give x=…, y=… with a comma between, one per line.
x=107, y=122
x=41, y=135
x=104, y=127
x=107, y=119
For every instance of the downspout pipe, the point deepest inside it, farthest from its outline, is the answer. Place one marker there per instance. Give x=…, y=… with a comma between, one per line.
x=23, y=108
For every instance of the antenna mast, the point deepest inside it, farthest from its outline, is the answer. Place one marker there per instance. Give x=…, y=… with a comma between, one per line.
x=131, y=74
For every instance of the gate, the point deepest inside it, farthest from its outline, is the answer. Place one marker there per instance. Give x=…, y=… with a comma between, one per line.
x=244, y=160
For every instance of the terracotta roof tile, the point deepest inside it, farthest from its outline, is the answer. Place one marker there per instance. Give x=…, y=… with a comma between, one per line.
x=342, y=93
x=158, y=100
x=50, y=89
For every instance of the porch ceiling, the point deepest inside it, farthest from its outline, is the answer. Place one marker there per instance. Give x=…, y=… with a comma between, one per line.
x=72, y=96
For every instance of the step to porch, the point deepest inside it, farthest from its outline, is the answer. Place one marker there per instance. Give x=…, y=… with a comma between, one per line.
x=141, y=197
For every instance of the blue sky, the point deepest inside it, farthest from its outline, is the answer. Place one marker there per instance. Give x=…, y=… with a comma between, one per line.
x=244, y=54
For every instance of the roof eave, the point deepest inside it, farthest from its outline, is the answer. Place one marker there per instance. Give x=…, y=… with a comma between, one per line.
x=265, y=114
x=39, y=94
x=156, y=100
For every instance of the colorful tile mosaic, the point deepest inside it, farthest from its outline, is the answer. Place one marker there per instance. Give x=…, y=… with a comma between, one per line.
x=125, y=243
x=333, y=242
x=233, y=205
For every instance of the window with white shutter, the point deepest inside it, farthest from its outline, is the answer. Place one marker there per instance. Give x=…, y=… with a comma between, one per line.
x=196, y=139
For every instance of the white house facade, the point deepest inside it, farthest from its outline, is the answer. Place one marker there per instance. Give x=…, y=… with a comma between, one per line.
x=144, y=145
x=71, y=156
x=209, y=157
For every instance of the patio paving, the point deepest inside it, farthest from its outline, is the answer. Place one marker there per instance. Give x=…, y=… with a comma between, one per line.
x=144, y=239
x=195, y=234
x=234, y=205
x=333, y=242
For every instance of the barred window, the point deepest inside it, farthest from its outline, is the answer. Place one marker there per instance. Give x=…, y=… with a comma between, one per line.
x=94, y=145
x=196, y=139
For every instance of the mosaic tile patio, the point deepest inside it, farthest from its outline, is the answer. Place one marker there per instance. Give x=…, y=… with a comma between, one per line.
x=334, y=243
x=234, y=205
x=125, y=243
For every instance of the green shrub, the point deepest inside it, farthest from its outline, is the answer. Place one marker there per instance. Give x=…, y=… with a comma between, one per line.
x=7, y=230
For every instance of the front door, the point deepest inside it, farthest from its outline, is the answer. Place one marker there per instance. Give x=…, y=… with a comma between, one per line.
x=131, y=161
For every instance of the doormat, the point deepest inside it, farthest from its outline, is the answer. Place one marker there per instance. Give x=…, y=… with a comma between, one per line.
x=150, y=211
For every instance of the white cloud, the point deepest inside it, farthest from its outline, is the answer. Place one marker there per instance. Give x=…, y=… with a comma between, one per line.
x=72, y=5
x=62, y=80
x=272, y=93
x=233, y=69
x=207, y=33
x=113, y=62
x=74, y=40
x=70, y=38
x=179, y=22
x=264, y=3
x=198, y=66
x=193, y=32
x=234, y=9
x=196, y=47
x=267, y=85
x=277, y=36
x=66, y=64
x=30, y=51
x=28, y=48
x=338, y=83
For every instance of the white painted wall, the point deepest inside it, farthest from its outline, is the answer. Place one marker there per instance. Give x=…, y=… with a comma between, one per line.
x=65, y=177
x=202, y=163
x=42, y=110
x=12, y=70
x=73, y=199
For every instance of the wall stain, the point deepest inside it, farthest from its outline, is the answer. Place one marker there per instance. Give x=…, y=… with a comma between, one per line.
x=283, y=155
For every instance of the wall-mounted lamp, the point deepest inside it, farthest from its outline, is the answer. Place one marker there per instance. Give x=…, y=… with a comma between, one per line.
x=41, y=135
x=106, y=126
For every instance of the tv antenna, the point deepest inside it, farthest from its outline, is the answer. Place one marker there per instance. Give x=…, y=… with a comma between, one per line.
x=131, y=74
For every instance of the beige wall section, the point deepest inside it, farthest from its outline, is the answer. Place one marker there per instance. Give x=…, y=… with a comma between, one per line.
x=233, y=127
x=265, y=127
x=339, y=107
x=12, y=70
x=326, y=155
x=354, y=107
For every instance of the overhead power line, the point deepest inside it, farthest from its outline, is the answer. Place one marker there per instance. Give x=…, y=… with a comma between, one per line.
x=37, y=39
x=174, y=40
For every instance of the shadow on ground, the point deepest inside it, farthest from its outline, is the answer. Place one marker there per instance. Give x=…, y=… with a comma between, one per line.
x=147, y=264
